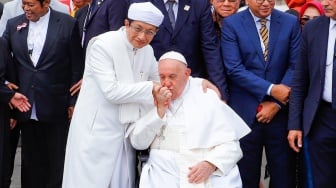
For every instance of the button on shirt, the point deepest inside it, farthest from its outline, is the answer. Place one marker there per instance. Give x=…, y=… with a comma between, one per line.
x=36, y=37
x=327, y=91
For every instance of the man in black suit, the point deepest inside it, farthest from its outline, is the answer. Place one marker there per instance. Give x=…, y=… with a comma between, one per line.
x=48, y=60
x=7, y=96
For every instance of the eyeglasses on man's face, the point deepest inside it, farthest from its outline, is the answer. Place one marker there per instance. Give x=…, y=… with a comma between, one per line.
x=262, y=1
x=139, y=30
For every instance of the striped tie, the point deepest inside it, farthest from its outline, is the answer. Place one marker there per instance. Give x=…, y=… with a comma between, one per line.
x=264, y=36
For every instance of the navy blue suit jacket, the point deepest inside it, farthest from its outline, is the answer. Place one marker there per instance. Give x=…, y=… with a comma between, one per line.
x=106, y=15
x=60, y=65
x=194, y=36
x=309, y=75
x=249, y=75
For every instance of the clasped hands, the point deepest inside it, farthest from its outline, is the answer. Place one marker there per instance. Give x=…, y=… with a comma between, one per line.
x=162, y=97
x=281, y=93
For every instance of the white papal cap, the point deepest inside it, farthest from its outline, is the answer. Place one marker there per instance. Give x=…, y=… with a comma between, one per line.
x=174, y=55
x=145, y=12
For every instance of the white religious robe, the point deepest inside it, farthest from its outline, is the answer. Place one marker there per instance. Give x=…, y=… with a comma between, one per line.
x=198, y=127
x=116, y=81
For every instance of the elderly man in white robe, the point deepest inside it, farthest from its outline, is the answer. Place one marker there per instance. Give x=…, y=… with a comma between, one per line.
x=192, y=135
x=117, y=79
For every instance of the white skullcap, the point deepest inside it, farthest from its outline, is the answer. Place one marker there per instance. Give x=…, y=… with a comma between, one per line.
x=145, y=12
x=174, y=55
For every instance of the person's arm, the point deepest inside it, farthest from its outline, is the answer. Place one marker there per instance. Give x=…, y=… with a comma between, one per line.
x=144, y=130
x=299, y=89
x=211, y=52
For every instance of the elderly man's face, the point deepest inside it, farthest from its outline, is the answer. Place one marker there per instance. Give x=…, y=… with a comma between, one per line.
x=174, y=75
x=33, y=9
x=139, y=33
x=329, y=7
x=225, y=7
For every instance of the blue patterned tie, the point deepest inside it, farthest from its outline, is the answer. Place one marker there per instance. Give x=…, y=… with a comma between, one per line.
x=171, y=12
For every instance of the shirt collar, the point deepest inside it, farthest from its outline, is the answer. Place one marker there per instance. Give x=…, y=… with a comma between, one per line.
x=165, y=1
x=256, y=19
x=332, y=23
x=43, y=18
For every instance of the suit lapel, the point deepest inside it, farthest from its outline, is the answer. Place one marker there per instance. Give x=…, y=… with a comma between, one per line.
x=166, y=22
x=275, y=27
x=323, y=31
x=252, y=33
x=23, y=35
x=182, y=15
x=52, y=33
x=98, y=4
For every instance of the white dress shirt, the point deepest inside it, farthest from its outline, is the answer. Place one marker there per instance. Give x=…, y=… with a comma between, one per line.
x=36, y=37
x=327, y=91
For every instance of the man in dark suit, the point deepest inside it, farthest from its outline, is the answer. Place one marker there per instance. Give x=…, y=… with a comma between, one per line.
x=48, y=59
x=260, y=47
x=102, y=16
x=7, y=96
x=312, y=111
x=191, y=32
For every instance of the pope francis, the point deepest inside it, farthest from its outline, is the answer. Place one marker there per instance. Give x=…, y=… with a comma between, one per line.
x=117, y=86
x=193, y=136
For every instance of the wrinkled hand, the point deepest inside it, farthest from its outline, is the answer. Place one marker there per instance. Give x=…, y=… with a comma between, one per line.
x=163, y=99
x=12, y=123
x=70, y=111
x=281, y=93
x=295, y=140
x=20, y=102
x=200, y=172
x=268, y=111
x=208, y=85
x=12, y=86
x=155, y=91
x=76, y=87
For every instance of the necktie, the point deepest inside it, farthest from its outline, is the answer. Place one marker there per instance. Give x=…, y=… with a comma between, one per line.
x=264, y=36
x=333, y=89
x=171, y=12
x=87, y=18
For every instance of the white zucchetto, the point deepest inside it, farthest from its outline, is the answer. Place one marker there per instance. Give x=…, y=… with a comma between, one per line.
x=174, y=55
x=145, y=12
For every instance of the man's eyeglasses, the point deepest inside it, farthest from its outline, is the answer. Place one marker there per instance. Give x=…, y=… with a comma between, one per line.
x=262, y=1
x=138, y=30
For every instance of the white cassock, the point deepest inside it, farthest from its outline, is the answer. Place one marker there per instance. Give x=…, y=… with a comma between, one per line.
x=115, y=83
x=197, y=127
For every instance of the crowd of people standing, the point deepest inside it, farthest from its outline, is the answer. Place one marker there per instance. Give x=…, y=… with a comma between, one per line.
x=203, y=87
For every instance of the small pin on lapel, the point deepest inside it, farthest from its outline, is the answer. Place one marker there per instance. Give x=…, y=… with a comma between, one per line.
x=186, y=8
